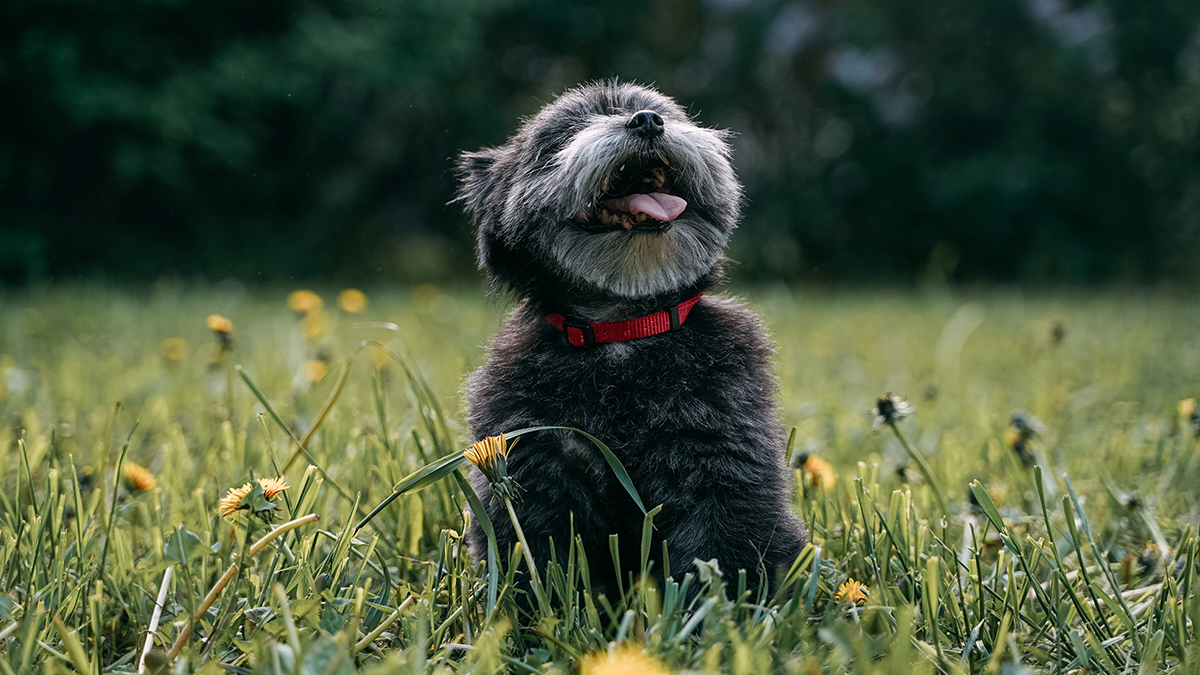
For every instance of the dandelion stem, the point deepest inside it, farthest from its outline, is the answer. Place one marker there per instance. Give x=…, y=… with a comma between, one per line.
x=229, y=574
x=925, y=470
x=535, y=579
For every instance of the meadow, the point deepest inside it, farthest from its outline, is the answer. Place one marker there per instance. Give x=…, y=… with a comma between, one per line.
x=1036, y=511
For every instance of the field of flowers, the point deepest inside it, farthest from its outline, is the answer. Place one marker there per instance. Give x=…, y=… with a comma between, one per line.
x=224, y=479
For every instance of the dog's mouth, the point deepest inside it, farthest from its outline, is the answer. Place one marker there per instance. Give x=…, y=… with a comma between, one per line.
x=636, y=197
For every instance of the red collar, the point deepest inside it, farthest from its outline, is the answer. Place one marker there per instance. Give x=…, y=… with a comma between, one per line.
x=583, y=333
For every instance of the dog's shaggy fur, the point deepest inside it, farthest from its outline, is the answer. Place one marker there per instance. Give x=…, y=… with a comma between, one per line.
x=691, y=413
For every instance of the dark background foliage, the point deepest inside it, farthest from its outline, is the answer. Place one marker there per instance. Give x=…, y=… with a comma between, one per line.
x=879, y=140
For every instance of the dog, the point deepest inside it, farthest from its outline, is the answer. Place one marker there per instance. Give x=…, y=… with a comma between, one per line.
x=607, y=215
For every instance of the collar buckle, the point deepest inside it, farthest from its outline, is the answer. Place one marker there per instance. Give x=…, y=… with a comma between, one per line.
x=585, y=329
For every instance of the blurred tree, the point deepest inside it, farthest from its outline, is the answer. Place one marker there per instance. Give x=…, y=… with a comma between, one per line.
x=879, y=140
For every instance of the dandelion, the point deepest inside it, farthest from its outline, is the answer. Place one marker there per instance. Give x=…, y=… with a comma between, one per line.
x=352, y=300
x=222, y=329
x=853, y=591
x=175, y=348
x=219, y=324
x=1024, y=427
x=232, y=501
x=1187, y=407
x=273, y=487
x=623, y=661
x=304, y=302
x=889, y=409
x=817, y=472
x=1026, y=424
x=237, y=499
x=314, y=370
x=137, y=478
x=1187, y=410
x=491, y=456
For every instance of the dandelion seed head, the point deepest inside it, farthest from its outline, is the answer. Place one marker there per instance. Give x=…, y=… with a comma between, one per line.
x=889, y=409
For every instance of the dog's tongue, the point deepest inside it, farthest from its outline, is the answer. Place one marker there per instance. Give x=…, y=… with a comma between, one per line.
x=657, y=205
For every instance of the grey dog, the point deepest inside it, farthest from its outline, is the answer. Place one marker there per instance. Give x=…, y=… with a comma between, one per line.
x=607, y=214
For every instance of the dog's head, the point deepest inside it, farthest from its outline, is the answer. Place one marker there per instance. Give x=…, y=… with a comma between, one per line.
x=610, y=189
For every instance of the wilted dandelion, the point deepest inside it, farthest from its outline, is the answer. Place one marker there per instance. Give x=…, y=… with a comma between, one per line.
x=175, y=348
x=889, y=409
x=853, y=591
x=622, y=661
x=352, y=300
x=236, y=499
x=137, y=478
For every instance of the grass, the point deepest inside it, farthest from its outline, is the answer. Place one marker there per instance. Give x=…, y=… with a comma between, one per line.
x=1077, y=556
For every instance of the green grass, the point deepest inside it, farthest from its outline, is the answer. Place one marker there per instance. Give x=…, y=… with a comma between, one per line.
x=1083, y=562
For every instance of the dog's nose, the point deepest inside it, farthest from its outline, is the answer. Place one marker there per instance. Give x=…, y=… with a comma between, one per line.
x=646, y=123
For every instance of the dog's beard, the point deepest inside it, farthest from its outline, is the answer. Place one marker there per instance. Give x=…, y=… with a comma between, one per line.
x=635, y=264
x=645, y=257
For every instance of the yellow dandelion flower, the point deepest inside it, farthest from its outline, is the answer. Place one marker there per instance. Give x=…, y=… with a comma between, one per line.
x=352, y=300
x=232, y=500
x=853, y=591
x=272, y=487
x=818, y=472
x=219, y=324
x=1186, y=407
x=137, y=478
x=487, y=452
x=491, y=456
x=315, y=370
x=304, y=301
x=175, y=349
x=314, y=323
x=622, y=661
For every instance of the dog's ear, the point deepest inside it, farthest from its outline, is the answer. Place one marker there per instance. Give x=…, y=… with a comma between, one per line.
x=477, y=175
